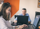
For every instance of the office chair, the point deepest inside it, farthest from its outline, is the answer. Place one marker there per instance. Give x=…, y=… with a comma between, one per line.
x=37, y=13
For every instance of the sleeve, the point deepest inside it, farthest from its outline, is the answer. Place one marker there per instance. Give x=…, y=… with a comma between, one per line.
x=2, y=24
x=29, y=18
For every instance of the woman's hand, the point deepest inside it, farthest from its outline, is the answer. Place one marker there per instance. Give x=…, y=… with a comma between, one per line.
x=25, y=25
x=21, y=26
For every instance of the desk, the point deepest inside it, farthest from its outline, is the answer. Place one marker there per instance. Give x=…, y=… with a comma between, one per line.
x=30, y=27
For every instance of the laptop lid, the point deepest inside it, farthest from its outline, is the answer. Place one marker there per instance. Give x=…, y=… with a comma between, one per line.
x=22, y=20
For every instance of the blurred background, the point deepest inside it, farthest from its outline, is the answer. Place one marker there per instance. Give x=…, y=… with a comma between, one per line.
x=17, y=5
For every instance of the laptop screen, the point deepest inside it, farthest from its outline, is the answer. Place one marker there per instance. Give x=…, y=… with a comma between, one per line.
x=35, y=22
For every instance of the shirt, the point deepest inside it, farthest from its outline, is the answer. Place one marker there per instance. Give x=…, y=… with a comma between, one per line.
x=5, y=24
x=25, y=15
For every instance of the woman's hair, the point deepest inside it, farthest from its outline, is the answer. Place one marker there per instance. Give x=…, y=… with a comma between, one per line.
x=3, y=11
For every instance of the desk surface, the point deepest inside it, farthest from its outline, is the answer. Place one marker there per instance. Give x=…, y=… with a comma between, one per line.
x=30, y=27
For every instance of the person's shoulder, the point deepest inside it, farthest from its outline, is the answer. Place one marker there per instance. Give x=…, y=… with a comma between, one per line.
x=1, y=18
x=27, y=14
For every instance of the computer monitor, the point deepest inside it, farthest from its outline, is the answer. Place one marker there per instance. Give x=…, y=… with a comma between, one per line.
x=22, y=20
x=35, y=24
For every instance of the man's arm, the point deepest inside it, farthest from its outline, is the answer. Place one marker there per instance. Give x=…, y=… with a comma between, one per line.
x=29, y=21
x=15, y=20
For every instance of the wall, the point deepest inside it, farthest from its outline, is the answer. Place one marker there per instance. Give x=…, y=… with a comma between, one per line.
x=14, y=5
x=31, y=6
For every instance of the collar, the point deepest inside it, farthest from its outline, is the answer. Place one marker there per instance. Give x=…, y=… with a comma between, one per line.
x=25, y=14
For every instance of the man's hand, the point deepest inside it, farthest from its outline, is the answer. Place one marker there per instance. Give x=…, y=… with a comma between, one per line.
x=15, y=21
x=29, y=22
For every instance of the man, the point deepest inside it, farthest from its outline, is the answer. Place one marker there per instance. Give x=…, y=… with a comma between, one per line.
x=23, y=14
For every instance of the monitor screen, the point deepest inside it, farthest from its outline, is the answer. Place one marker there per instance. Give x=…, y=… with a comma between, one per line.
x=35, y=22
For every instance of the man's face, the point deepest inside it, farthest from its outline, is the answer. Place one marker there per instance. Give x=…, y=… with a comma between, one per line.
x=23, y=12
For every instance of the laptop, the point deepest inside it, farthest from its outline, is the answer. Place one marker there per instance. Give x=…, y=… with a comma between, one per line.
x=22, y=20
x=35, y=24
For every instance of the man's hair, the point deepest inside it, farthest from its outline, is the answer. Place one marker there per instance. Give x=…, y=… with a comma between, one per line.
x=24, y=9
x=3, y=11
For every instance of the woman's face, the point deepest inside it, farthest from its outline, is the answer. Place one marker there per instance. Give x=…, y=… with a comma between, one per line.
x=8, y=10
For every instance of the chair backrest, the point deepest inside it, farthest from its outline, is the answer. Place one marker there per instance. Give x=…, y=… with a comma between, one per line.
x=37, y=13
x=15, y=16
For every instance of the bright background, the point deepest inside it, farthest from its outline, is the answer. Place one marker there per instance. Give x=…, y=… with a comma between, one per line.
x=30, y=5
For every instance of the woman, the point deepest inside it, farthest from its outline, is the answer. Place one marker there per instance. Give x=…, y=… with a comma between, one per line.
x=4, y=17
